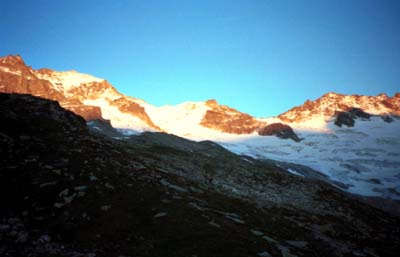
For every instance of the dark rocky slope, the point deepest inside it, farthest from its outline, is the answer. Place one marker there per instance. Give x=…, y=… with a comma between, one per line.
x=66, y=191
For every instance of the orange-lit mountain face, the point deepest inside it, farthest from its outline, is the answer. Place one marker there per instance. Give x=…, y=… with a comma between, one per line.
x=331, y=103
x=94, y=98
x=71, y=89
x=74, y=90
x=229, y=120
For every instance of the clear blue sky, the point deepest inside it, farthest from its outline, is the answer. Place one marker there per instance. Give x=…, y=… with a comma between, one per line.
x=259, y=56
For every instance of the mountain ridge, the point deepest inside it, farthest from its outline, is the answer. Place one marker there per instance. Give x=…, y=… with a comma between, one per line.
x=92, y=97
x=331, y=103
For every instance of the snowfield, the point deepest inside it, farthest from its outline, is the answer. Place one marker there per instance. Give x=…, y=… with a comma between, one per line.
x=365, y=158
x=66, y=80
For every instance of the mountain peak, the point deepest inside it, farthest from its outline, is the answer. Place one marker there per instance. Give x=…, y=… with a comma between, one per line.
x=211, y=103
x=329, y=104
x=331, y=95
x=12, y=59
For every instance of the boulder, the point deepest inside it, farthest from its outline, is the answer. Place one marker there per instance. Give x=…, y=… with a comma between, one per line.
x=279, y=130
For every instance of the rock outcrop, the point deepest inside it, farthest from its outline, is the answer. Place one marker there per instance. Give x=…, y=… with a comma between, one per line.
x=347, y=118
x=229, y=120
x=71, y=89
x=95, y=99
x=330, y=104
x=280, y=130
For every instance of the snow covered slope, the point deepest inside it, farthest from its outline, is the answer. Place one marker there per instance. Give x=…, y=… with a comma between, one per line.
x=66, y=80
x=365, y=158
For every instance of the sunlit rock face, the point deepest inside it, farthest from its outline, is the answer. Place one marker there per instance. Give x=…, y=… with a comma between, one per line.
x=331, y=103
x=72, y=90
x=348, y=118
x=95, y=98
x=229, y=120
x=279, y=130
x=16, y=77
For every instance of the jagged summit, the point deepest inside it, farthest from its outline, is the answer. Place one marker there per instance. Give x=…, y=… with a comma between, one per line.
x=89, y=96
x=211, y=102
x=66, y=80
x=95, y=98
x=12, y=59
x=329, y=104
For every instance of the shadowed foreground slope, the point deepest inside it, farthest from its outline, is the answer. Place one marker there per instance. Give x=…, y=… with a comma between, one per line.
x=66, y=191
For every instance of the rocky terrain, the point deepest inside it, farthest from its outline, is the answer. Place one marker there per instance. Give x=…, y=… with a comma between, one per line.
x=71, y=89
x=94, y=98
x=280, y=130
x=330, y=104
x=352, y=140
x=284, y=164
x=229, y=120
x=67, y=190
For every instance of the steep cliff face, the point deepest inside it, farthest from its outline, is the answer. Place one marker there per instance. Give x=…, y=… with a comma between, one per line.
x=16, y=77
x=95, y=98
x=329, y=104
x=229, y=120
x=126, y=105
x=73, y=90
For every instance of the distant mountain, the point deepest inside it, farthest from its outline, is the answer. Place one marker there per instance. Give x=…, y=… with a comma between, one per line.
x=95, y=98
x=88, y=96
x=330, y=104
x=353, y=140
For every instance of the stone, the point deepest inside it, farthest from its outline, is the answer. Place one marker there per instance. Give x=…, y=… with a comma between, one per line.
x=80, y=188
x=264, y=254
x=105, y=207
x=175, y=187
x=236, y=220
x=159, y=215
x=256, y=232
x=212, y=223
x=269, y=239
x=108, y=185
x=280, y=130
x=298, y=244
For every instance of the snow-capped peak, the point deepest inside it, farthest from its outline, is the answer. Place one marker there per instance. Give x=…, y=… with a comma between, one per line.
x=327, y=106
x=12, y=59
x=182, y=119
x=66, y=80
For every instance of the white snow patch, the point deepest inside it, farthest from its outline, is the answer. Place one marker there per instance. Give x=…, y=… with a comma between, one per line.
x=295, y=172
x=120, y=120
x=6, y=69
x=66, y=80
x=184, y=120
x=353, y=156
